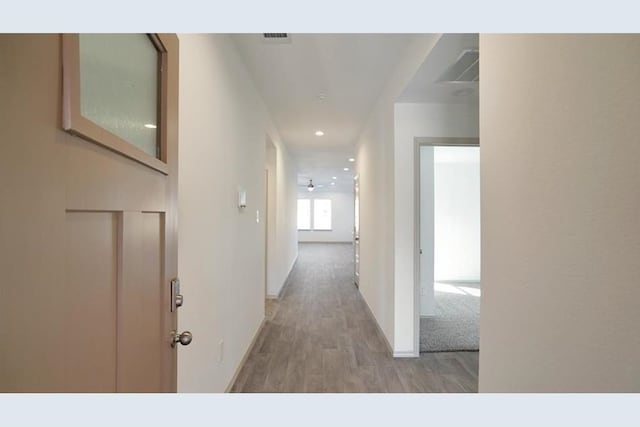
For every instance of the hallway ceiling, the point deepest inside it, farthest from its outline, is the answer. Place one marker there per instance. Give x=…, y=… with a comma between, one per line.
x=322, y=166
x=326, y=82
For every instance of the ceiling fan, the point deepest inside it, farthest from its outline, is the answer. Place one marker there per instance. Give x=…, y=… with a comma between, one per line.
x=310, y=186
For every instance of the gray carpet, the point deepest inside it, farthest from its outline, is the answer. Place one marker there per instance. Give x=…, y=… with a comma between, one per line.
x=455, y=326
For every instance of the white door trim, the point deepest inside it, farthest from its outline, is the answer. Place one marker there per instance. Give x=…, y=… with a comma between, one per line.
x=419, y=142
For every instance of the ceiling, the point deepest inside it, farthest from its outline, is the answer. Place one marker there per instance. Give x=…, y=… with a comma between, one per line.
x=330, y=82
x=322, y=166
x=325, y=82
x=424, y=87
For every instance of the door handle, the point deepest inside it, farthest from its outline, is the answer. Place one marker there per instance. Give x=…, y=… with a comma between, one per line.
x=184, y=338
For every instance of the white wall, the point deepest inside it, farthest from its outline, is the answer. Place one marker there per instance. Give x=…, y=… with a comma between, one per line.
x=286, y=247
x=282, y=249
x=375, y=165
x=223, y=125
x=271, y=165
x=416, y=120
x=560, y=200
x=456, y=213
x=341, y=218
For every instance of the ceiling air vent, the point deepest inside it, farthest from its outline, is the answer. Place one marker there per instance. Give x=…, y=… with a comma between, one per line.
x=276, y=38
x=465, y=69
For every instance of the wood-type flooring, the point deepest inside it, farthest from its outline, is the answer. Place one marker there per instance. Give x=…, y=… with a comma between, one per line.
x=320, y=337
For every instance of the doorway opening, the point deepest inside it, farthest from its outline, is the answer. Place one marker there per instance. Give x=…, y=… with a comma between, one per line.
x=448, y=182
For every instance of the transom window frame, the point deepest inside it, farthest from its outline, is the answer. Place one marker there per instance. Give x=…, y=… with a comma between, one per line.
x=74, y=122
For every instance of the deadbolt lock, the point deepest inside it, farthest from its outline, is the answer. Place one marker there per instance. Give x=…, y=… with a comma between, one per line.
x=176, y=298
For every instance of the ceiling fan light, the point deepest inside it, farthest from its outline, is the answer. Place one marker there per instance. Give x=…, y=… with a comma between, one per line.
x=310, y=187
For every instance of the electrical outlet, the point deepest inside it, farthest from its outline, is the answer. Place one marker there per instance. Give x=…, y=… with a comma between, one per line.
x=221, y=351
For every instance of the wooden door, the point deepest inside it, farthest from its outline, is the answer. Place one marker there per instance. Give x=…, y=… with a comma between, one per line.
x=88, y=239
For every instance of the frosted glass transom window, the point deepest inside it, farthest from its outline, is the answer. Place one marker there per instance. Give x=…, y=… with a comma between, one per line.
x=119, y=84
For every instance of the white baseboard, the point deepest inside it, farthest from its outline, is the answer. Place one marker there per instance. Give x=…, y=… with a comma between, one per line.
x=405, y=354
x=325, y=241
x=398, y=354
x=245, y=357
x=386, y=341
x=285, y=283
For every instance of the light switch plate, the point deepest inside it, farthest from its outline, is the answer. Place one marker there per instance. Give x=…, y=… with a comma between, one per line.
x=242, y=198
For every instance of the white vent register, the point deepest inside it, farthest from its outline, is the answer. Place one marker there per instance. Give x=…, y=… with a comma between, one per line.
x=276, y=38
x=465, y=69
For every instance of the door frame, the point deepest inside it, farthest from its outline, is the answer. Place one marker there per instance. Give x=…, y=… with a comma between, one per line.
x=356, y=230
x=266, y=233
x=425, y=141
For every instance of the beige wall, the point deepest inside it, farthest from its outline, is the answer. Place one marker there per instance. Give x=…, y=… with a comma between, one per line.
x=560, y=191
x=223, y=128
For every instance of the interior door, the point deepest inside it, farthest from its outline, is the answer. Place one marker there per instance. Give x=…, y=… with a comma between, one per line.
x=88, y=240
x=356, y=231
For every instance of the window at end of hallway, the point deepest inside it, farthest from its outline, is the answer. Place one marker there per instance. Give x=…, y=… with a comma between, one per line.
x=304, y=214
x=314, y=214
x=322, y=214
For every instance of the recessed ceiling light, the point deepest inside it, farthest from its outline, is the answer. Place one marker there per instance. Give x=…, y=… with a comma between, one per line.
x=333, y=183
x=150, y=126
x=321, y=96
x=351, y=159
x=319, y=133
x=334, y=177
x=345, y=169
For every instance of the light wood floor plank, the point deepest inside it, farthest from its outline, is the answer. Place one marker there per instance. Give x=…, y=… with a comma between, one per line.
x=320, y=337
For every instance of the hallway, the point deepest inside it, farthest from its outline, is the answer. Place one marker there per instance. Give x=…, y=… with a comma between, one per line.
x=321, y=337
